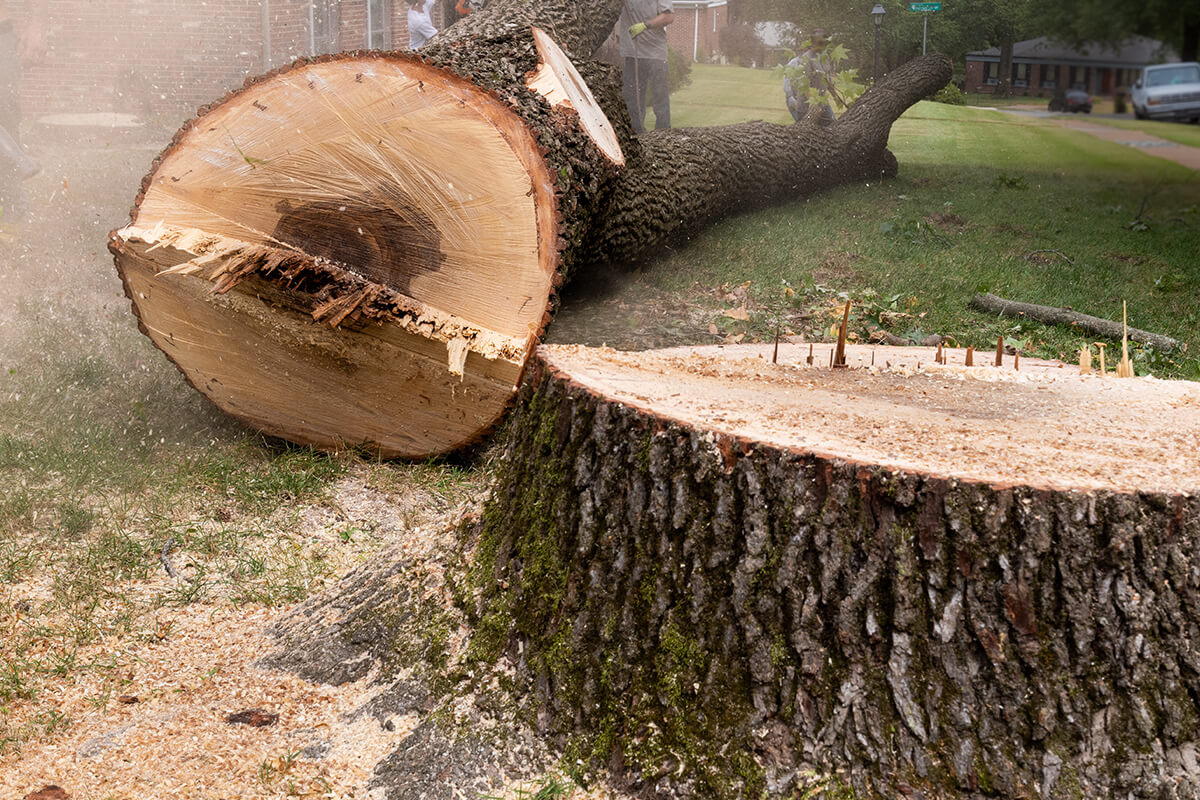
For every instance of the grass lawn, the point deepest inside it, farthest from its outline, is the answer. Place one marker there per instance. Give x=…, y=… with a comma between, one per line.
x=720, y=95
x=985, y=201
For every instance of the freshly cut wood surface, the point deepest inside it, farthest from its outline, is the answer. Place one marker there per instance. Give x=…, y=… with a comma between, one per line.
x=1042, y=425
x=266, y=362
x=466, y=182
x=399, y=170
x=351, y=252
x=557, y=79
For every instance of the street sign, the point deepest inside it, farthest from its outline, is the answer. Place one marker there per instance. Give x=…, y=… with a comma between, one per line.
x=924, y=6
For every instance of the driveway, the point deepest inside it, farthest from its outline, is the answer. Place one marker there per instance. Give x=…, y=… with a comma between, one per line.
x=1172, y=151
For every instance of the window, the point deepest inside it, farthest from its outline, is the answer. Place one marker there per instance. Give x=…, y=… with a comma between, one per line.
x=323, y=17
x=991, y=73
x=1079, y=78
x=1049, y=76
x=1020, y=74
x=1186, y=73
x=379, y=24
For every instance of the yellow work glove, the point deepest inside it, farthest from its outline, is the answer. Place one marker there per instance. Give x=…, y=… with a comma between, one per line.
x=636, y=29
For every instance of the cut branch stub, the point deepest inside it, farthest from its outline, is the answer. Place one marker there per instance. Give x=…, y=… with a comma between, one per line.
x=422, y=217
x=561, y=84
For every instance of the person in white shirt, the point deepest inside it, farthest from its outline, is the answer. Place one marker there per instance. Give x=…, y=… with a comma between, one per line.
x=420, y=26
x=643, y=43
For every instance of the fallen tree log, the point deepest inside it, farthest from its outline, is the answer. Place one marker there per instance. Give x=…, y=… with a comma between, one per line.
x=726, y=578
x=360, y=250
x=1054, y=315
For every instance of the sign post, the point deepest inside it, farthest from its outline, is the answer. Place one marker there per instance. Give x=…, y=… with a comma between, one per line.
x=926, y=8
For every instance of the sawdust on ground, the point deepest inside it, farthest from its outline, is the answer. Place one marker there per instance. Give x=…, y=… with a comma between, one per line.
x=161, y=729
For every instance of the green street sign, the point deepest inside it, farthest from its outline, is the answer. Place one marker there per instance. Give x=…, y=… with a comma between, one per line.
x=924, y=6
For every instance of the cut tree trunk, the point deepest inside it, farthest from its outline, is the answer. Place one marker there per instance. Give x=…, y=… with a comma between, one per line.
x=729, y=578
x=360, y=250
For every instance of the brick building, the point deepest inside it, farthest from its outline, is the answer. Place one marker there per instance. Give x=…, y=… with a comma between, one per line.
x=694, y=33
x=147, y=56
x=1041, y=67
x=171, y=56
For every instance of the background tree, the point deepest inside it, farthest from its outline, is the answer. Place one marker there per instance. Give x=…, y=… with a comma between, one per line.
x=960, y=27
x=742, y=45
x=1111, y=21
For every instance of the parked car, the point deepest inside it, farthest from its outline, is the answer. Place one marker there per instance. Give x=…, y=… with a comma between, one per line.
x=1168, y=91
x=1073, y=101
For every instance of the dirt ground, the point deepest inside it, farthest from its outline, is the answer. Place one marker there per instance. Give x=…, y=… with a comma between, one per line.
x=170, y=728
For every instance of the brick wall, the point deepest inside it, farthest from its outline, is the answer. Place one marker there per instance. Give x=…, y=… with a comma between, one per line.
x=139, y=55
x=172, y=56
x=682, y=33
x=148, y=56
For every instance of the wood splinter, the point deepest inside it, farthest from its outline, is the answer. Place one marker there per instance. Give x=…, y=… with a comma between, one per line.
x=939, y=357
x=1000, y=352
x=1125, y=367
x=970, y=362
x=809, y=360
x=1085, y=360
x=839, y=358
x=1100, y=346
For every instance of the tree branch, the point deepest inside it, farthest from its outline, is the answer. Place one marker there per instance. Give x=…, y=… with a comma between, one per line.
x=1066, y=316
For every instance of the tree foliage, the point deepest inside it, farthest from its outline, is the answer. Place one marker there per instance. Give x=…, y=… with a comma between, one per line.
x=1111, y=21
x=965, y=25
x=824, y=79
x=960, y=27
x=741, y=44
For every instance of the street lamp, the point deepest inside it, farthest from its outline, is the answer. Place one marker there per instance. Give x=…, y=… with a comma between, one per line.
x=877, y=14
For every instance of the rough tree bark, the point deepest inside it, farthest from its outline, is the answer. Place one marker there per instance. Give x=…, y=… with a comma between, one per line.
x=361, y=249
x=718, y=611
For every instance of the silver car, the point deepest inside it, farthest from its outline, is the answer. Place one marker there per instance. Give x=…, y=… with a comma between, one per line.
x=1168, y=91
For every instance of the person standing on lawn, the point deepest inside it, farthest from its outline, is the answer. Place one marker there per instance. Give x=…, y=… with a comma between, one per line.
x=642, y=37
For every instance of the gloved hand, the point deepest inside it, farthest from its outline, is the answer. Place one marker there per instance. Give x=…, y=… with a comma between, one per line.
x=636, y=29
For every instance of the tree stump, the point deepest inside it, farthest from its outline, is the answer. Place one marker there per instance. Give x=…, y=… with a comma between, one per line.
x=723, y=576
x=361, y=249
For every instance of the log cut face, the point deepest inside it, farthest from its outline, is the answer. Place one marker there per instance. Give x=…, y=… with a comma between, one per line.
x=412, y=211
x=730, y=577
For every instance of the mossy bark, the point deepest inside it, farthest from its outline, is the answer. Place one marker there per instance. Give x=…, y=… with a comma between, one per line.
x=711, y=616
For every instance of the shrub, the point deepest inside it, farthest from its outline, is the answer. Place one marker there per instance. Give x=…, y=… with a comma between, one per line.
x=680, y=68
x=950, y=95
